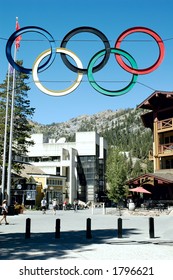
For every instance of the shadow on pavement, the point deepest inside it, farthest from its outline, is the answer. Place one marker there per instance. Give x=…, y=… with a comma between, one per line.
x=42, y=246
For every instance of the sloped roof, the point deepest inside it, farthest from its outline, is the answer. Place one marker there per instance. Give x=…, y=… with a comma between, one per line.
x=160, y=102
x=164, y=177
x=29, y=170
x=157, y=100
x=167, y=177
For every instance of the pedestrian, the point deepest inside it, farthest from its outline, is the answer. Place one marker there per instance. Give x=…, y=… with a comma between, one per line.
x=75, y=205
x=54, y=204
x=4, y=211
x=64, y=205
x=43, y=205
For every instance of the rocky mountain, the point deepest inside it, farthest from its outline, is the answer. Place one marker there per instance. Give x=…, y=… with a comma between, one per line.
x=100, y=122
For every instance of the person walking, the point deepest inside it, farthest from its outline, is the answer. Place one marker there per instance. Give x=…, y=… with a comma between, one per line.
x=64, y=205
x=4, y=211
x=54, y=204
x=75, y=205
x=43, y=205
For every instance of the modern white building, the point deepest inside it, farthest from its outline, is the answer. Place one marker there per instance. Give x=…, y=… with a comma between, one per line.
x=82, y=163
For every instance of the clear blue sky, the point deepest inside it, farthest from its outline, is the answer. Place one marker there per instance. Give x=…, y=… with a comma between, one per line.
x=112, y=17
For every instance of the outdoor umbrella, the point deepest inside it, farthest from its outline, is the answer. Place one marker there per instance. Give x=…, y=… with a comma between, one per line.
x=139, y=190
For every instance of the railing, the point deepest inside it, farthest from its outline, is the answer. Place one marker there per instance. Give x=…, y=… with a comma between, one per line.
x=166, y=148
x=165, y=124
x=162, y=149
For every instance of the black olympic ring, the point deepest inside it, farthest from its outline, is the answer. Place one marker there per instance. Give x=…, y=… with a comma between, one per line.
x=90, y=30
x=22, y=30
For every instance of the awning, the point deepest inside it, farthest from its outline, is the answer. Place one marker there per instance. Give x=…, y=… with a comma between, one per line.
x=139, y=190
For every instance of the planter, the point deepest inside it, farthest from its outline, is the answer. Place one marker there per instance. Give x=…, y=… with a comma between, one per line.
x=131, y=206
x=18, y=209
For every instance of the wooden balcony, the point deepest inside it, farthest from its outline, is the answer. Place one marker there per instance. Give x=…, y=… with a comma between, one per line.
x=165, y=125
x=163, y=150
x=166, y=149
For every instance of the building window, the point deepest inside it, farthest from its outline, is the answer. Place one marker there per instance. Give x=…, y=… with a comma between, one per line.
x=45, y=159
x=168, y=164
x=54, y=182
x=57, y=171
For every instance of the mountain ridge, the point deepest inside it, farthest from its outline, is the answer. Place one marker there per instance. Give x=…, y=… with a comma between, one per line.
x=101, y=121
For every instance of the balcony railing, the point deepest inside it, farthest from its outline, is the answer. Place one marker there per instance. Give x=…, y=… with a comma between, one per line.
x=166, y=148
x=165, y=124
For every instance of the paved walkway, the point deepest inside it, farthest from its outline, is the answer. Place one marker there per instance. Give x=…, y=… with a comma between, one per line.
x=135, y=243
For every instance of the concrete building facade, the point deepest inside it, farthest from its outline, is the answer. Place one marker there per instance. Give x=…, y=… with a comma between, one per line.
x=82, y=163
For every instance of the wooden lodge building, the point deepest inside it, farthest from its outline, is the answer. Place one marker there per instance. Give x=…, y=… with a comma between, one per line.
x=159, y=118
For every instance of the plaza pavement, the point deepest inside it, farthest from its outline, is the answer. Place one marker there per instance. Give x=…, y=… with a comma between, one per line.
x=135, y=243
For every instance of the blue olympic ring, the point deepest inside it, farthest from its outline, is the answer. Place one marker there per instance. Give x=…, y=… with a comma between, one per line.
x=23, y=30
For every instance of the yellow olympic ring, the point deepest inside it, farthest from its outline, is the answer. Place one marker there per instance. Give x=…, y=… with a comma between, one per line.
x=56, y=92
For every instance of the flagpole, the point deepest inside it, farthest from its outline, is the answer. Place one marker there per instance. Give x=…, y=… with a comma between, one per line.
x=5, y=135
x=11, y=131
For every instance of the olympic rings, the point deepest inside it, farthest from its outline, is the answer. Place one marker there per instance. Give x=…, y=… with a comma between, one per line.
x=133, y=69
x=91, y=30
x=151, y=33
x=56, y=92
x=30, y=29
x=110, y=92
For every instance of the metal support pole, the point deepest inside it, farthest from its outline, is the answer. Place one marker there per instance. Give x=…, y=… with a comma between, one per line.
x=5, y=136
x=11, y=135
x=151, y=227
x=119, y=228
x=92, y=209
x=57, y=228
x=28, y=228
x=104, y=209
x=88, y=229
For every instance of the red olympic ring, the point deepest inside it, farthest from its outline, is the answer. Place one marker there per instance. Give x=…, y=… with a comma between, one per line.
x=152, y=34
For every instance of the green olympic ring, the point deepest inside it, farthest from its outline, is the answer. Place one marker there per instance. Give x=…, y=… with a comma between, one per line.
x=111, y=92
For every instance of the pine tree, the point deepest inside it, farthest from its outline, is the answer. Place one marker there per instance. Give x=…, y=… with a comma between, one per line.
x=137, y=169
x=116, y=175
x=22, y=113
